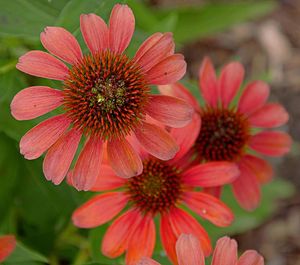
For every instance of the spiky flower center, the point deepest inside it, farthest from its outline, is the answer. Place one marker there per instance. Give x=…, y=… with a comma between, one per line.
x=105, y=95
x=223, y=136
x=157, y=189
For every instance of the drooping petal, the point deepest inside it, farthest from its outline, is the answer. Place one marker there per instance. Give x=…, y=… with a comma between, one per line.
x=209, y=207
x=87, y=167
x=99, y=210
x=271, y=143
x=42, y=64
x=246, y=188
x=95, y=32
x=251, y=257
x=107, y=180
x=142, y=241
x=7, y=246
x=147, y=261
x=156, y=141
x=230, y=81
x=170, y=111
x=35, y=101
x=37, y=140
x=60, y=156
x=121, y=28
x=118, y=235
x=62, y=44
x=225, y=252
x=254, y=97
x=182, y=222
x=208, y=82
x=269, y=116
x=211, y=174
x=168, y=71
x=189, y=251
x=124, y=159
x=156, y=48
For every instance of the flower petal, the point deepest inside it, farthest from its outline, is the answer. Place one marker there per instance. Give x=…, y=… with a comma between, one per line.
x=251, y=257
x=208, y=82
x=95, y=32
x=189, y=251
x=37, y=140
x=60, y=156
x=35, y=101
x=209, y=207
x=271, y=143
x=42, y=64
x=168, y=71
x=171, y=111
x=211, y=174
x=99, y=210
x=225, y=252
x=7, y=246
x=254, y=97
x=87, y=167
x=121, y=28
x=156, y=141
x=156, y=48
x=147, y=261
x=62, y=44
x=124, y=159
x=230, y=81
x=269, y=116
x=118, y=235
x=142, y=241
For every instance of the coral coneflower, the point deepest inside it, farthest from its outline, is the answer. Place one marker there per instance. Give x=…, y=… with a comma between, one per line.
x=233, y=132
x=7, y=246
x=190, y=252
x=161, y=191
x=105, y=97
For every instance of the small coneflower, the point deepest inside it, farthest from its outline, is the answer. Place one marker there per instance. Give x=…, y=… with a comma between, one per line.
x=105, y=97
x=235, y=132
x=161, y=192
x=190, y=252
x=7, y=246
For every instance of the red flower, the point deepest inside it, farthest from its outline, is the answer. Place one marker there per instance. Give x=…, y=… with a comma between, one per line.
x=232, y=131
x=160, y=191
x=189, y=252
x=7, y=246
x=105, y=97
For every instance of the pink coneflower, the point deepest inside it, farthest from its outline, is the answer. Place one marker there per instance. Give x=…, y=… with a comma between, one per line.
x=162, y=191
x=235, y=131
x=190, y=252
x=105, y=97
x=7, y=246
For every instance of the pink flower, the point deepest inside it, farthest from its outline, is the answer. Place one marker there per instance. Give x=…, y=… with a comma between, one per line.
x=163, y=190
x=189, y=252
x=234, y=131
x=7, y=246
x=105, y=97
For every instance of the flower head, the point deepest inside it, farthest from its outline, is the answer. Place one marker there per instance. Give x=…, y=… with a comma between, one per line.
x=7, y=246
x=190, y=252
x=105, y=98
x=162, y=191
x=232, y=131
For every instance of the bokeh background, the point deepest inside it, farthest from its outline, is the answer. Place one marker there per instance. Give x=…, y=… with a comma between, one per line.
x=263, y=35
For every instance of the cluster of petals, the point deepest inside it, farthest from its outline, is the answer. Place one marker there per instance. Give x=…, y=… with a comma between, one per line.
x=160, y=65
x=134, y=232
x=7, y=246
x=190, y=252
x=261, y=115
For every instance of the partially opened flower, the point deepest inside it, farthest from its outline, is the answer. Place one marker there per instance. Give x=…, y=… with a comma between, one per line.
x=162, y=191
x=105, y=97
x=235, y=132
x=7, y=246
x=190, y=252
